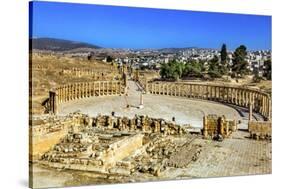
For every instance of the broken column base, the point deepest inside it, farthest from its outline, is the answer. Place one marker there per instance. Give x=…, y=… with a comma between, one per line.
x=141, y=106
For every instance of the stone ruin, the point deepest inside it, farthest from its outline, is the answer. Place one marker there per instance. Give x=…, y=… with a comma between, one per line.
x=120, y=153
x=123, y=147
x=218, y=127
x=260, y=130
x=118, y=145
x=138, y=123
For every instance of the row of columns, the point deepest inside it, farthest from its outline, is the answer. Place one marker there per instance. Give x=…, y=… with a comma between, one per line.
x=261, y=101
x=83, y=90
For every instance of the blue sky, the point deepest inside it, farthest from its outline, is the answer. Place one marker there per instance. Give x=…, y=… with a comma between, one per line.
x=127, y=27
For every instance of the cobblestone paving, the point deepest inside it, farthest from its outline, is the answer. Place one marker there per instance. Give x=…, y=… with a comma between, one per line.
x=232, y=157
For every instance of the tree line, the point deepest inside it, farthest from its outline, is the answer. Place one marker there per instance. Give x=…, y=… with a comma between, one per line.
x=214, y=68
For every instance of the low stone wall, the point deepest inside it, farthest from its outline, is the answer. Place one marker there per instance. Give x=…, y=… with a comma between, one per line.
x=260, y=129
x=240, y=96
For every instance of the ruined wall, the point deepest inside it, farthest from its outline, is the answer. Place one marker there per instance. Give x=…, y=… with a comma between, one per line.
x=43, y=143
x=214, y=125
x=240, y=96
x=43, y=136
x=260, y=129
x=140, y=123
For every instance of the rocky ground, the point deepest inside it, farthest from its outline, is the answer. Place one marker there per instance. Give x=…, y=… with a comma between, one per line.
x=234, y=156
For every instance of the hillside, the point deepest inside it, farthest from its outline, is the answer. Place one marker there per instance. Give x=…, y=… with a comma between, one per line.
x=58, y=44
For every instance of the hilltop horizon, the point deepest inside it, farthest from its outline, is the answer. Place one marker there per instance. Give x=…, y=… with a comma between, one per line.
x=81, y=44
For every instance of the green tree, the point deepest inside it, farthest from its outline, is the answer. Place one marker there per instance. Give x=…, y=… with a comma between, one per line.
x=193, y=69
x=109, y=59
x=176, y=70
x=223, y=53
x=240, y=65
x=224, y=60
x=214, y=67
x=267, y=69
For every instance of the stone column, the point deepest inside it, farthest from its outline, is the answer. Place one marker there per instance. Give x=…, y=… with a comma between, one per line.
x=68, y=92
x=62, y=95
x=99, y=88
x=209, y=92
x=221, y=128
x=157, y=88
x=250, y=111
x=205, y=126
x=77, y=90
x=247, y=97
x=146, y=87
x=94, y=88
x=141, y=101
x=120, y=91
x=90, y=89
x=65, y=93
x=168, y=89
x=84, y=90
x=107, y=87
x=228, y=95
x=59, y=95
x=239, y=97
x=53, y=102
x=103, y=89
x=73, y=91
x=269, y=109
x=80, y=90
x=254, y=100
x=244, y=98
x=115, y=83
x=218, y=93
x=266, y=105
x=235, y=96
x=87, y=89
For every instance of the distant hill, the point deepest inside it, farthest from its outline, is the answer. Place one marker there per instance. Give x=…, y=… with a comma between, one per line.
x=58, y=44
